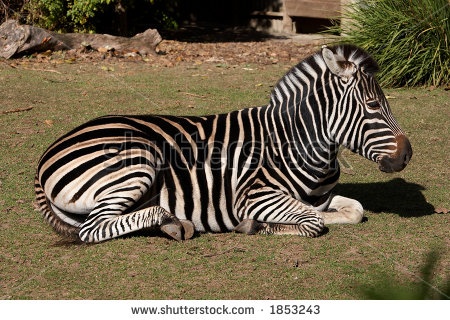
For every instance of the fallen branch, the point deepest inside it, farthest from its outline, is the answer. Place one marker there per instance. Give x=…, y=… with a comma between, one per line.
x=16, y=39
x=16, y=110
x=193, y=94
x=203, y=97
x=44, y=70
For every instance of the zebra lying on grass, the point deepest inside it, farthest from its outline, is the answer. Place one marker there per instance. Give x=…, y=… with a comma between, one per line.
x=267, y=169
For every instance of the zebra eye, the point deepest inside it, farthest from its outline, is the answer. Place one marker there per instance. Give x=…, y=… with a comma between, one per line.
x=373, y=104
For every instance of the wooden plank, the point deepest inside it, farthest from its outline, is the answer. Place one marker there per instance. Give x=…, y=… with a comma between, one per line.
x=313, y=8
x=267, y=13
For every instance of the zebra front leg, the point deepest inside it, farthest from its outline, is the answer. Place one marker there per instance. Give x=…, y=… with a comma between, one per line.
x=251, y=227
x=172, y=230
x=343, y=210
x=286, y=229
x=104, y=223
x=277, y=213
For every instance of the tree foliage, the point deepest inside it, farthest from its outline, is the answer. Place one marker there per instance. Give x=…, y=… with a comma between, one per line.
x=124, y=17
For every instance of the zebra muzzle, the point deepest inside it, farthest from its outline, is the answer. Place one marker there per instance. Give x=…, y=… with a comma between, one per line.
x=397, y=161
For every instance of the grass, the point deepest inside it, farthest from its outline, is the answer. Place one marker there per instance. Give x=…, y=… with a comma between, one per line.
x=35, y=264
x=410, y=39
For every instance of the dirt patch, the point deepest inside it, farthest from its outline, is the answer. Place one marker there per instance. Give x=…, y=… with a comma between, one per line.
x=173, y=52
x=266, y=52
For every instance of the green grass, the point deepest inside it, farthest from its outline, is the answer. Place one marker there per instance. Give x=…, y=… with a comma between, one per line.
x=35, y=264
x=410, y=39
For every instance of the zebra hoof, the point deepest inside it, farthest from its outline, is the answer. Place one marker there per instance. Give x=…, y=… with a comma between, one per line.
x=189, y=229
x=248, y=226
x=173, y=230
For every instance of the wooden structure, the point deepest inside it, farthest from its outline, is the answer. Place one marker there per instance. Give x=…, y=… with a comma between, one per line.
x=326, y=9
x=323, y=9
x=281, y=14
x=288, y=16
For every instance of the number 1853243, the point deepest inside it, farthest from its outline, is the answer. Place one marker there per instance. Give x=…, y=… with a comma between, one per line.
x=294, y=309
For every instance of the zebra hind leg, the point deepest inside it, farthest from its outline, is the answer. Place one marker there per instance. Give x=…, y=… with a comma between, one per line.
x=104, y=223
x=343, y=210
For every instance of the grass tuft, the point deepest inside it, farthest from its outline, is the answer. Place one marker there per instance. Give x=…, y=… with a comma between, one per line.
x=409, y=39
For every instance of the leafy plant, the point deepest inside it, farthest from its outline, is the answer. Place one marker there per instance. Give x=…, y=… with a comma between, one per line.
x=94, y=15
x=409, y=38
x=50, y=14
x=81, y=12
x=64, y=15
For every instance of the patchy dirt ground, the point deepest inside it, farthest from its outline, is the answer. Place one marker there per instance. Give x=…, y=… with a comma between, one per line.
x=263, y=51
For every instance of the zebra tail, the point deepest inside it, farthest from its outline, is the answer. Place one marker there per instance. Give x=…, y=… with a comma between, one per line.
x=61, y=227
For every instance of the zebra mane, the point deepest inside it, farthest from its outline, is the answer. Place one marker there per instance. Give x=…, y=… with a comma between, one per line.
x=348, y=54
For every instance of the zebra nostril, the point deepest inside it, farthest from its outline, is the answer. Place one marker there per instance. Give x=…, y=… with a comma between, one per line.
x=404, y=151
x=406, y=159
x=408, y=151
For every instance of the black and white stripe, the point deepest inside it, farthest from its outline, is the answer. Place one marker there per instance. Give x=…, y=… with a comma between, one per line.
x=273, y=165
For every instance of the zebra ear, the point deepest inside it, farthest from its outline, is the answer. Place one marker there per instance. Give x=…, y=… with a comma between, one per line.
x=337, y=64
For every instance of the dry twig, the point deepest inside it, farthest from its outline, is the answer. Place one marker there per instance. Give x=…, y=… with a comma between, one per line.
x=16, y=110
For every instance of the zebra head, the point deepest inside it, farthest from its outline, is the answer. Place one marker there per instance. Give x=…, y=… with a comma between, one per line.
x=361, y=118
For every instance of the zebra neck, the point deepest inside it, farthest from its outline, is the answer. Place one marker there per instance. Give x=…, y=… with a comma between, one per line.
x=297, y=145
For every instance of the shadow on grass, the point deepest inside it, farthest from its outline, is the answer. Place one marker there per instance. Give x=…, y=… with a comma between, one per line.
x=424, y=288
x=397, y=196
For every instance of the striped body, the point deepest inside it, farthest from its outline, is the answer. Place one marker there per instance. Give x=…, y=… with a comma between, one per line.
x=272, y=165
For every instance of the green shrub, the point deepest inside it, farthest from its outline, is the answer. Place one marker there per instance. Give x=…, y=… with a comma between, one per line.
x=101, y=15
x=409, y=38
x=64, y=15
x=82, y=12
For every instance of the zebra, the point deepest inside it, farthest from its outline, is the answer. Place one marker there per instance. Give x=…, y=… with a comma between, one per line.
x=259, y=170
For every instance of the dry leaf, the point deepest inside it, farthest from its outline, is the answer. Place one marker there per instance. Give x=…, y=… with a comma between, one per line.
x=441, y=210
x=48, y=122
x=105, y=68
x=347, y=171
